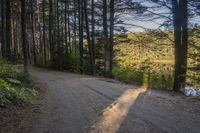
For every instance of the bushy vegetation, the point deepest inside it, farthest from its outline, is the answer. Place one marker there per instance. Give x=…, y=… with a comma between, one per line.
x=11, y=86
x=151, y=80
x=137, y=62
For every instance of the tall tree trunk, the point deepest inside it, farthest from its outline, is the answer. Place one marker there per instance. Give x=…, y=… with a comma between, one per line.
x=75, y=28
x=3, y=28
x=184, y=41
x=15, y=38
x=29, y=51
x=39, y=31
x=33, y=33
x=69, y=30
x=93, y=32
x=44, y=31
x=24, y=44
x=52, y=46
x=177, y=43
x=58, y=38
x=179, y=9
x=80, y=21
x=66, y=38
x=62, y=36
x=106, y=41
x=112, y=11
x=8, y=30
x=91, y=56
x=12, y=34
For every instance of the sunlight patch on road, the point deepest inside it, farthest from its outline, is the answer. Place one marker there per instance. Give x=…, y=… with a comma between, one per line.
x=114, y=115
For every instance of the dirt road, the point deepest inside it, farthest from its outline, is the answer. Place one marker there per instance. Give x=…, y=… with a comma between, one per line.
x=83, y=104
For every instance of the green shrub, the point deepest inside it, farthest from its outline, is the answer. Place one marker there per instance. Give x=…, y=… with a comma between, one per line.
x=74, y=62
x=128, y=76
x=11, y=88
x=13, y=81
x=8, y=70
x=152, y=80
x=15, y=95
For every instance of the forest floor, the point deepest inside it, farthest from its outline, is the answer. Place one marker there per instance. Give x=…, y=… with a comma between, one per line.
x=75, y=103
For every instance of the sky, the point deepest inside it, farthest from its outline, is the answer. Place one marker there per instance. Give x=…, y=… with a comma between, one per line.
x=144, y=21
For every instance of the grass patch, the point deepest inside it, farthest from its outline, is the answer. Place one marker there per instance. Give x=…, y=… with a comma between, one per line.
x=148, y=79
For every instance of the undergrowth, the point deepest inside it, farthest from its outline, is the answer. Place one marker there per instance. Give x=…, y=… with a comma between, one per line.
x=12, y=90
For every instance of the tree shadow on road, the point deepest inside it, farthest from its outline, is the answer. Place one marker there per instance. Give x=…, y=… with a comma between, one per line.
x=144, y=110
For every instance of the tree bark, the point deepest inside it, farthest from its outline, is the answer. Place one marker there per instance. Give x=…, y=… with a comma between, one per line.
x=44, y=32
x=93, y=31
x=3, y=28
x=184, y=51
x=106, y=40
x=80, y=12
x=24, y=44
x=69, y=30
x=59, y=66
x=52, y=46
x=8, y=30
x=180, y=16
x=66, y=34
x=33, y=33
x=75, y=28
x=91, y=56
x=112, y=12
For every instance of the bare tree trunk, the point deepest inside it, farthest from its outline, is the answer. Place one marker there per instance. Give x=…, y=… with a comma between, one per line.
x=12, y=34
x=112, y=11
x=24, y=44
x=106, y=41
x=184, y=51
x=3, y=28
x=15, y=38
x=44, y=31
x=33, y=33
x=66, y=37
x=8, y=30
x=93, y=32
x=88, y=39
x=69, y=30
x=58, y=38
x=52, y=45
x=179, y=9
x=75, y=28
x=80, y=12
